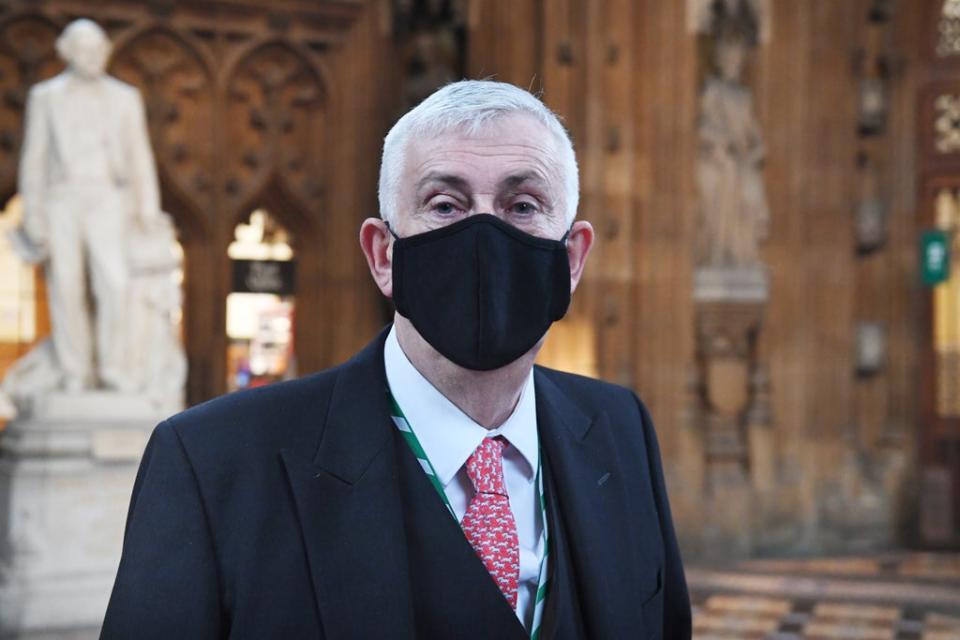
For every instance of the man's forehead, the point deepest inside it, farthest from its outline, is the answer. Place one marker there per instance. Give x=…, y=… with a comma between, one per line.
x=509, y=180
x=522, y=140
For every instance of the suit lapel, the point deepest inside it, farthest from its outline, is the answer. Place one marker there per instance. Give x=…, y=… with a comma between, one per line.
x=349, y=506
x=602, y=534
x=561, y=616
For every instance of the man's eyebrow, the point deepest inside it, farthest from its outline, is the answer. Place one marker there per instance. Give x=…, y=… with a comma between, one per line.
x=514, y=181
x=455, y=181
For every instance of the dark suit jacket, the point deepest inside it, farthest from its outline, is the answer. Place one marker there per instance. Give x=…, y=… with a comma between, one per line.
x=297, y=511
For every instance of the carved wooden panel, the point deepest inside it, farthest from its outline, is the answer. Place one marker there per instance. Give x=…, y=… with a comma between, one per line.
x=276, y=120
x=178, y=95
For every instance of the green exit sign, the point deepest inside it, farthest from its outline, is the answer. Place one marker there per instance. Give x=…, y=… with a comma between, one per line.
x=934, y=257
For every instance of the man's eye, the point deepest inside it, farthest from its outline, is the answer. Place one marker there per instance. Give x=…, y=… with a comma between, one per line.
x=524, y=208
x=444, y=208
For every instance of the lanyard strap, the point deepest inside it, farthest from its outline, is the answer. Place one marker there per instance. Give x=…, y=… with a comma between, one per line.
x=406, y=430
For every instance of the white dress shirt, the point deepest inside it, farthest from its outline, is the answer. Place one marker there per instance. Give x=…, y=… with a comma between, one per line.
x=449, y=436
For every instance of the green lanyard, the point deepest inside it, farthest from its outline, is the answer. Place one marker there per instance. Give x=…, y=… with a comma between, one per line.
x=406, y=430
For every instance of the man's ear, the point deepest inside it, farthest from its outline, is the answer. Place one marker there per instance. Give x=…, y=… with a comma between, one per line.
x=377, y=248
x=579, y=241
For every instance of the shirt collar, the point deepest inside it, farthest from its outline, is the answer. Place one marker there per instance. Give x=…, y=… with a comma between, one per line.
x=447, y=434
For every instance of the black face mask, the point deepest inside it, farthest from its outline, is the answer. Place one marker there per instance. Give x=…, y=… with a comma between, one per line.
x=481, y=291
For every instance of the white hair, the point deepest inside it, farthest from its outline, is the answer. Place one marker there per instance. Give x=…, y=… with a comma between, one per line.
x=467, y=106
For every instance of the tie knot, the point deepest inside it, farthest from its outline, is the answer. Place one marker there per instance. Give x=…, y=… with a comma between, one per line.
x=485, y=467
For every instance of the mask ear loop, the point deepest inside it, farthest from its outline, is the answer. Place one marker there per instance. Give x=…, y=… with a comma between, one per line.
x=395, y=236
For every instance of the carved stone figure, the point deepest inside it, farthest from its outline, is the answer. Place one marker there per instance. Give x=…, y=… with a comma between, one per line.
x=733, y=205
x=87, y=177
x=157, y=361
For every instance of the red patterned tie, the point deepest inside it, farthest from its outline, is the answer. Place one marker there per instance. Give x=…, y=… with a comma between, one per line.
x=488, y=523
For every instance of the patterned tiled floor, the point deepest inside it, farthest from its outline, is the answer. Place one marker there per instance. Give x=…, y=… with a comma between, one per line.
x=907, y=596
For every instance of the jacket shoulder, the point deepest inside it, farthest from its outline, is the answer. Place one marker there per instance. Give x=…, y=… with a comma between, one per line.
x=241, y=429
x=590, y=391
x=275, y=414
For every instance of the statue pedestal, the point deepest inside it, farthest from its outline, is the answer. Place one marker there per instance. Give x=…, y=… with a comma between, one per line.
x=729, y=305
x=66, y=474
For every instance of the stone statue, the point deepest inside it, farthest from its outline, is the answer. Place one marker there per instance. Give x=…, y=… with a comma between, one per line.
x=92, y=214
x=87, y=176
x=734, y=216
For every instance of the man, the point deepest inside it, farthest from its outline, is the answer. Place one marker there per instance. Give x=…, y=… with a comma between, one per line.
x=437, y=485
x=86, y=175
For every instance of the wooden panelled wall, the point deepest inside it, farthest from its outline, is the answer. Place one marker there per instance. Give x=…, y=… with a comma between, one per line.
x=838, y=466
x=846, y=441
